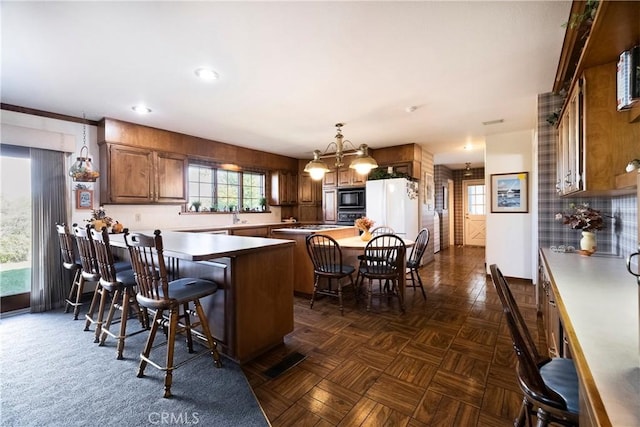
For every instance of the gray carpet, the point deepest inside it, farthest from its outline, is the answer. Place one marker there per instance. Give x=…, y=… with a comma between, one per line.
x=52, y=374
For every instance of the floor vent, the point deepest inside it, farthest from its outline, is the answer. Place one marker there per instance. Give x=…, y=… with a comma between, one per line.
x=289, y=361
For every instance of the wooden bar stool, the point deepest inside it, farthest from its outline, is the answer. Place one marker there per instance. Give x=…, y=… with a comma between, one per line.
x=71, y=262
x=155, y=292
x=89, y=272
x=121, y=287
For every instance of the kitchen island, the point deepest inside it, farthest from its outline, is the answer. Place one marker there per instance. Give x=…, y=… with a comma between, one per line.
x=303, y=268
x=252, y=310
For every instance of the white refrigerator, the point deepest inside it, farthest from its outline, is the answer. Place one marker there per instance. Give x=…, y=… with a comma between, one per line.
x=394, y=203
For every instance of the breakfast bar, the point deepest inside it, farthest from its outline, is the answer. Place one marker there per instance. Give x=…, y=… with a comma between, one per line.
x=252, y=310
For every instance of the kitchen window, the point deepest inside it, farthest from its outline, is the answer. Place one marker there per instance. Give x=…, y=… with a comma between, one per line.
x=214, y=189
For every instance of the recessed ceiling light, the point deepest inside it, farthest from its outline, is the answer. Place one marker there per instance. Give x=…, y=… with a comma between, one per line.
x=411, y=109
x=206, y=73
x=467, y=146
x=141, y=109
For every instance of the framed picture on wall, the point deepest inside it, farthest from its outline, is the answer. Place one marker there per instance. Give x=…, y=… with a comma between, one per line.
x=510, y=192
x=429, y=194
x=84, y=199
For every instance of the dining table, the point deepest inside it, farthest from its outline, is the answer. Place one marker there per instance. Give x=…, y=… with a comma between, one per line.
x=353, y=246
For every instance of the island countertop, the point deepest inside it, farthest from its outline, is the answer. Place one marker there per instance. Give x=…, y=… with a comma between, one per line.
x=598, y=303
x=314, y=228
x=193, y=246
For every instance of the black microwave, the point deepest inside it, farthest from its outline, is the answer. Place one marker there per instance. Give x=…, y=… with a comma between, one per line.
x=351, y=198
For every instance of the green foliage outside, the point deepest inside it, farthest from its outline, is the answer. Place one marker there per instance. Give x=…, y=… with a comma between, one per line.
x=15, y=230
x=15, y=281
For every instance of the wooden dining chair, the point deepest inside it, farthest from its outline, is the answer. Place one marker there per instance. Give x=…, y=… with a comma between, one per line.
x=383, y=229
x=383, y=261
x=118, y=289
x=156, y=292
x=550, y=385
x=71, y=262
x=326, y=257
x=415, y=260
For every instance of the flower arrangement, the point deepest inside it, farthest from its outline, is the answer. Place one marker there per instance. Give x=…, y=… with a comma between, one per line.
x=364, y=223
x=100, y=219
x=582, y=217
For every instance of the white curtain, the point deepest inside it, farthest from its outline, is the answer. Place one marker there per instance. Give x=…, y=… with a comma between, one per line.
x=49, y=281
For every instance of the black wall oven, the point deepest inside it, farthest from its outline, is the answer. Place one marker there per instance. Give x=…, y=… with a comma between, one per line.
x=351, y=205
x=351, y=198
x=349, y=217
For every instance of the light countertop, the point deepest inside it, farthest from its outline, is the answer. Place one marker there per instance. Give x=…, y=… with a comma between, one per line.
x=599, y=302
x=204, y=246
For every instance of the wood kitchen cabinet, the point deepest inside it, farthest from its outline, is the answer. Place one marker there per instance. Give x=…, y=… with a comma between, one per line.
x=595, y=141
x=556, y=344
x=330, y=179
x=571, y=143
x=139, y=175
x=252, y=231
x=284, y=188
x=349, y=177
x=309, y=191
x=330, y=205
x=309, y=198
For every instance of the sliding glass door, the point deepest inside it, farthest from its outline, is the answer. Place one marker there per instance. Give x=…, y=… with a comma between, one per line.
x=15, y=228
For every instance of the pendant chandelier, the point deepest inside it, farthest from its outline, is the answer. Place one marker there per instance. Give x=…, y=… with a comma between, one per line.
x=82, y=169
x=467, y=171
x=363, y=163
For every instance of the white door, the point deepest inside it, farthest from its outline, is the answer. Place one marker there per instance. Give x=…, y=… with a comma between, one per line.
x=474, y=203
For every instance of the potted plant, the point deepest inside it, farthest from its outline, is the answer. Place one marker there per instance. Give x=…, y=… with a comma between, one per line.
x=263, y=203
x=583, y=217
x=196, y=205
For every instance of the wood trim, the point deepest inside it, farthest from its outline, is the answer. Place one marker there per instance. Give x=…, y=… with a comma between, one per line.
x=571, y=48
x=615, y=28
x=41, y=113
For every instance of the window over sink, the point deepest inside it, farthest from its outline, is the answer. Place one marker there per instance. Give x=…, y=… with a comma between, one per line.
x=218, y=189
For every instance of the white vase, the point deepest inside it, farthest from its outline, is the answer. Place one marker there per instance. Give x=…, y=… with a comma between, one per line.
x=588, y=241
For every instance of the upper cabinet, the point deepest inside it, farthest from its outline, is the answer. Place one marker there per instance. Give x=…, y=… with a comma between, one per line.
x=284, y=188
x=595, y=140
x=348, y=177
x=309, y=191
x=141, y=176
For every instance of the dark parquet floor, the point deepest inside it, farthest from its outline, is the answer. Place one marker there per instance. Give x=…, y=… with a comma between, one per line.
x=447, y=361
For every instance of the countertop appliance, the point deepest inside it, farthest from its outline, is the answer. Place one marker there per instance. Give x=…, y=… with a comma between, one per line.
x=394, y=203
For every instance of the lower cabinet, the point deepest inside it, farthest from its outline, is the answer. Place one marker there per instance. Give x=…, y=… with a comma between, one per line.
x=556, y=341
x=252, y=232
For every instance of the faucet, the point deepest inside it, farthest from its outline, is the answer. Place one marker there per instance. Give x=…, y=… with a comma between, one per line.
x=236, y=216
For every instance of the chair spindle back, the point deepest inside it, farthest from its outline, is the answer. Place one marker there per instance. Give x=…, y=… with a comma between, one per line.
x=147, y=261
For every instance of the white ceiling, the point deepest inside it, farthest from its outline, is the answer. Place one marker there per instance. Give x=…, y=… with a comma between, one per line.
x=289, y=71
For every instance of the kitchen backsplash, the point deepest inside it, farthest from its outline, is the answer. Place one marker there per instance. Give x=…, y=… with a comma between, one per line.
x=620, y=237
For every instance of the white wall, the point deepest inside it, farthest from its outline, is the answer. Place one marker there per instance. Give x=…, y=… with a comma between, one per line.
x=509, y=235
x=60, y=135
